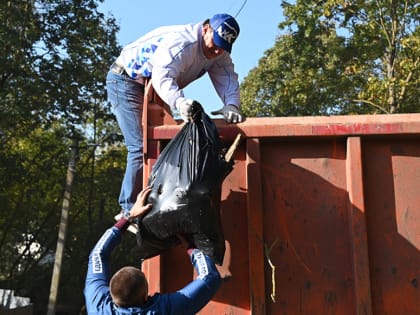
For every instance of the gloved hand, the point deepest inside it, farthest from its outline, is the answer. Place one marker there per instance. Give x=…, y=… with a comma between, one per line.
x=230, y=113
x=184, y=106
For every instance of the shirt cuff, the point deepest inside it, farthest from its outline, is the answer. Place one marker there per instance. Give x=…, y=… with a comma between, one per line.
x=122, y=224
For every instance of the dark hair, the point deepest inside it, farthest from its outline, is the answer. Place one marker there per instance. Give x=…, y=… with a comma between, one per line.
x=128, y=287
x=206, y=22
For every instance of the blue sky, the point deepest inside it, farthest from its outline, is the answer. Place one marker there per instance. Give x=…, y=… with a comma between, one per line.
x=257, y=19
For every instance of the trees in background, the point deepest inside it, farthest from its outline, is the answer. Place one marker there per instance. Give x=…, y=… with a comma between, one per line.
x=54, y=58
x=339, y=57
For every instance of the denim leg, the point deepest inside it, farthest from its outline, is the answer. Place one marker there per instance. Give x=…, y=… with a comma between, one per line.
x=126, y=98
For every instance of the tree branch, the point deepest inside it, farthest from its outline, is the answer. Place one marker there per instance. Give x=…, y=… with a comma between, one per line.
x=369, y=103
x=382, y=24
x=406, y=80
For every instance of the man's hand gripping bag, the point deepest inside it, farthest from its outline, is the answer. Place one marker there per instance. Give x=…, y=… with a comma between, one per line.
x=186, y=185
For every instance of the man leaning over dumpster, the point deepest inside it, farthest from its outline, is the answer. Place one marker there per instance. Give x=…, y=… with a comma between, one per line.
x=171, y=57
x=126, y=292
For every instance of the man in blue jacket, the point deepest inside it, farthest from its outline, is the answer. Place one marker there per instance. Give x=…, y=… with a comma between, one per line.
x=126, y=292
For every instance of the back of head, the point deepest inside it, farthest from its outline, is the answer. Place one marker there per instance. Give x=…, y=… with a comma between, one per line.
x=128, y=287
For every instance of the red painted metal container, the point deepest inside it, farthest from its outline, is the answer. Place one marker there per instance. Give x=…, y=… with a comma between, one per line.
x=323, y=215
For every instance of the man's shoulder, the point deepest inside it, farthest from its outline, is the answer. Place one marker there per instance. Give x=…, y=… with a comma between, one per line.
x=101, y=305
x=156, y=304
x=170, y=31
x=181, y=35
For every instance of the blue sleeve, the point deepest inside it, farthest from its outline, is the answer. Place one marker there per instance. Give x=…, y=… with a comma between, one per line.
x=96, y=290
x=193, y=297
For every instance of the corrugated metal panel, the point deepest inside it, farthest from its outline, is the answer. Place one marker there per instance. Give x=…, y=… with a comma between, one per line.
x=323, y=214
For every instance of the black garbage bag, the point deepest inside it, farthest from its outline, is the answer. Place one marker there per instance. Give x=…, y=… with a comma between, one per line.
x=186, y=185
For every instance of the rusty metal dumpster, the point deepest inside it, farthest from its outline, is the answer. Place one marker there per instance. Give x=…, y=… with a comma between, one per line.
x=323, y=215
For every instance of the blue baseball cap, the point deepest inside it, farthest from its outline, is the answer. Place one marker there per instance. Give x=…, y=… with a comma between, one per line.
x=225, y=31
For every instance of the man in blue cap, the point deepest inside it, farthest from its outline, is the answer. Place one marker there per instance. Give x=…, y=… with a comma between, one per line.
x=171, y=57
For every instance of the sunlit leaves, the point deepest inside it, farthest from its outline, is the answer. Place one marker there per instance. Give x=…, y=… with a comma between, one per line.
x=339, y=57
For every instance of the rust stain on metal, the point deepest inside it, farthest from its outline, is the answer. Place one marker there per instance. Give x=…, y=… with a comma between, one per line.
x=356, y=129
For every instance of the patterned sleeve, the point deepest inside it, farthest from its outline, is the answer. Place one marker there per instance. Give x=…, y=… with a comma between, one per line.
x=98, y=275
x=193, y=297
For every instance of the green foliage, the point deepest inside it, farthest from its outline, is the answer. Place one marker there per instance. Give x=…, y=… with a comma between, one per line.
x=54, y=59
x=20, y=30
x=339, y=57
x=32, y=175
x=29, y=200
x=79, y=45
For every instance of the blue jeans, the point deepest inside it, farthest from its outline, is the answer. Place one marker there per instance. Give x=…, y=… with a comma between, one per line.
x=126, y=98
